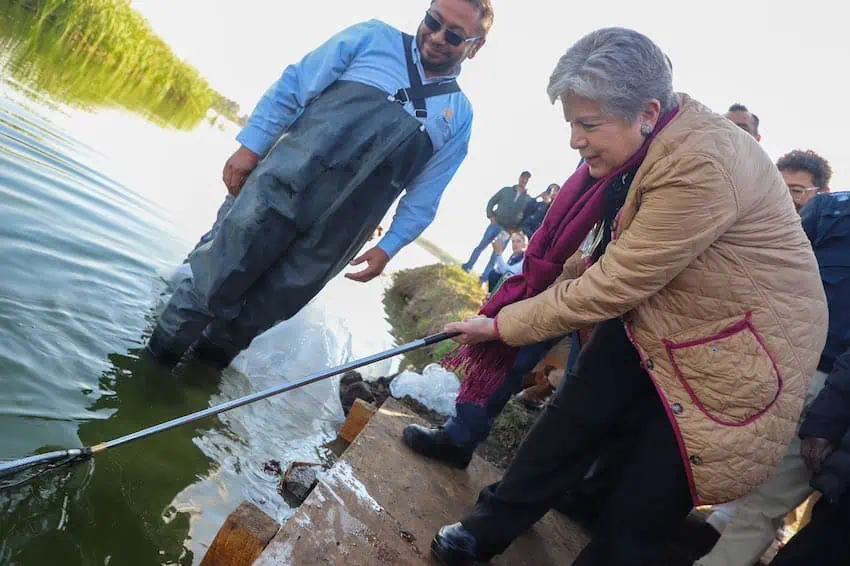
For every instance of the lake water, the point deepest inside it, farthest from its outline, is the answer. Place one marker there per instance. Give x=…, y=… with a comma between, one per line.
x=96, y=206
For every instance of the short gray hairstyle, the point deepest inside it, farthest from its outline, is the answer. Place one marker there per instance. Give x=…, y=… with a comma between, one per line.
x=619, y=68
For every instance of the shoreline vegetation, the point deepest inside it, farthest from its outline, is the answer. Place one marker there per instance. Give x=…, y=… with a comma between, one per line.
x=438, y=252
x=100, y=54
x=422, y=300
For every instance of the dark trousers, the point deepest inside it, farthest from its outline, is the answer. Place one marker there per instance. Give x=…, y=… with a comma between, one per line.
x=472, y=423
x=608, y=398
x=493, y=280
x=823, y=540
x=490, y=233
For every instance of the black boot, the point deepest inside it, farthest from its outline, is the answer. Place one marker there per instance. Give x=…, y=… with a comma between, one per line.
x=435, y=443
x=214, y=356
x=453, y=545
x=157, y=350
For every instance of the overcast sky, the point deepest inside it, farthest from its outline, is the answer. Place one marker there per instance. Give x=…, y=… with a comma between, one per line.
x=786, y=60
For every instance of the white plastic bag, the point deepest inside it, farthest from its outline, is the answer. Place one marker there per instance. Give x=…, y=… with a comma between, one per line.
x=435, y=388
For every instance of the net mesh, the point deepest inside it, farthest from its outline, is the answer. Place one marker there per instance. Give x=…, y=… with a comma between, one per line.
x=18, y=476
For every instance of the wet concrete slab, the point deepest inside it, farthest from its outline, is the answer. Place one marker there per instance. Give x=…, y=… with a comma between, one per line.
x=381, y=504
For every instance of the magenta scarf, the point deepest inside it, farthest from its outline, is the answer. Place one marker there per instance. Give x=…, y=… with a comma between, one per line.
x=577, y=208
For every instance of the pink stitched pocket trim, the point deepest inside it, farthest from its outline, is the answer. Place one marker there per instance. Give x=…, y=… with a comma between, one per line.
x=744, y=325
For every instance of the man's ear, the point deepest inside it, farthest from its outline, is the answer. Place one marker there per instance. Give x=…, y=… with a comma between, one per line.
x=478, y=45
x=758, y=138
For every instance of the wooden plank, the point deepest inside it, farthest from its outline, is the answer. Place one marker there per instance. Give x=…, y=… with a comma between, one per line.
x=382, y=504
x=243, y=537
x=359, y=416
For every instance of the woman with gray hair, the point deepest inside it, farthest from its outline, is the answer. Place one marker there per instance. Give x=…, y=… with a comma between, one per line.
x=706, y=300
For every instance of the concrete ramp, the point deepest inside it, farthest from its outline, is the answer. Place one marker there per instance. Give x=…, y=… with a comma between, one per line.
x=382, y=504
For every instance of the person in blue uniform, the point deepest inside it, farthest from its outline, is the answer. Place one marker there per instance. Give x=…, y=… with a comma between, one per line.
x=371, y=113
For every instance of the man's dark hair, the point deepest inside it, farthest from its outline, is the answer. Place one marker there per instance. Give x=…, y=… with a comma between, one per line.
x=525, y=174
x=485, y=11
x=485, y=8
x=808, y=161
x=741, y=108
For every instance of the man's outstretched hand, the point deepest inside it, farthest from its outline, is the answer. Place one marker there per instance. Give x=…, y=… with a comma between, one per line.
x=237, y=169
x=375, y=259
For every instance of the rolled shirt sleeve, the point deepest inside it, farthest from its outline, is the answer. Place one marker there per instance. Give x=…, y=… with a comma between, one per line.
x=286, y=99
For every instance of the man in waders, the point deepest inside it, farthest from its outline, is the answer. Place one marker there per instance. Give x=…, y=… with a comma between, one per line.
x=328, y=149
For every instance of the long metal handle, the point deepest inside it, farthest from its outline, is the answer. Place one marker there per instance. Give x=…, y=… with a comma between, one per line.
x=212, y=411
x=13, y=466
x=56, y=458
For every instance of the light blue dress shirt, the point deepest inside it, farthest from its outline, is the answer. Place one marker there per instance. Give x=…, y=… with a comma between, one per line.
x=371, y=53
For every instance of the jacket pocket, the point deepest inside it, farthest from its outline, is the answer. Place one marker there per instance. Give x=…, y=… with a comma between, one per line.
x=729, y=374
x=439, y=129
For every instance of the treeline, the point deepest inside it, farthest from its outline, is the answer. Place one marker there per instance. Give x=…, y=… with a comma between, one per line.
x=94, y=53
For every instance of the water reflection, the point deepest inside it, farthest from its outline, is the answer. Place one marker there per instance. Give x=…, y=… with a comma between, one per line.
x=94, y=53
x=93, y=206
x=79, y=281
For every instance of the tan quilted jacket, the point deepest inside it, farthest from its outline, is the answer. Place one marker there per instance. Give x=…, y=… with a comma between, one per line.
x=721, y=295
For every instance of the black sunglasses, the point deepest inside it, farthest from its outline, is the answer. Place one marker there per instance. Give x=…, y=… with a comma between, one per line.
x=452, y=38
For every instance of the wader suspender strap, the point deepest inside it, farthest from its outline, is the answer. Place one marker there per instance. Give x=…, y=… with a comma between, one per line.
x=417, y=92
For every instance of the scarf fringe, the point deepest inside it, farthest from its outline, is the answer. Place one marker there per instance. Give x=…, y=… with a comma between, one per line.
x=485, y=367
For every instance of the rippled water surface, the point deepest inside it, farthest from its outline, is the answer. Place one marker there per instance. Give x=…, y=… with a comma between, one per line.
x=96, y=206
